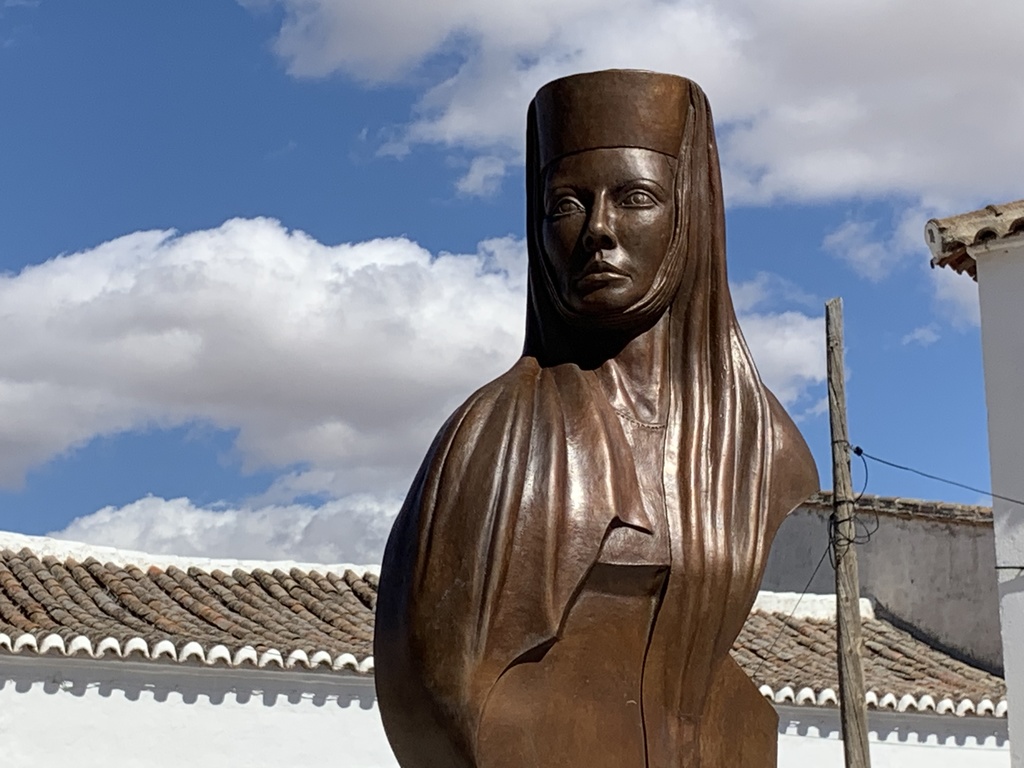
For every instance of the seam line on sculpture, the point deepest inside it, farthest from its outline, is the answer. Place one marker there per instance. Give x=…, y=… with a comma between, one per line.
x=637, y=421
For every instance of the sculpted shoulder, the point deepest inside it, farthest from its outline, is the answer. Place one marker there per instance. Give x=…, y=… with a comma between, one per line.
x=517, y=381
x=794, y=466
x=484, y=413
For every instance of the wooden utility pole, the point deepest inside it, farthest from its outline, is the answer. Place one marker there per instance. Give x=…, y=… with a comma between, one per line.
x=852, y=705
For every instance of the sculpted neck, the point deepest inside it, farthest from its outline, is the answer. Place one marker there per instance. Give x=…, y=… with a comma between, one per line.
x=636, y=379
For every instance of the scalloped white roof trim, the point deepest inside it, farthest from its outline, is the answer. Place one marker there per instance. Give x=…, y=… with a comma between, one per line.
x=44, y=546
x=247, y=657
x=888, y=700
x=190, y=652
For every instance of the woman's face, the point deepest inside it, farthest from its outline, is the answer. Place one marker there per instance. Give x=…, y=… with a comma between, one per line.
x=608, y=221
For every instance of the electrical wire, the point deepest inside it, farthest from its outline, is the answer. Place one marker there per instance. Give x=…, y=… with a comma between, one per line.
x=863, y=531
x=830, y=548
x=857, y=450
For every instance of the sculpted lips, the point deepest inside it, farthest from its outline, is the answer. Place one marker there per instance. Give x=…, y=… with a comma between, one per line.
x=599, y=272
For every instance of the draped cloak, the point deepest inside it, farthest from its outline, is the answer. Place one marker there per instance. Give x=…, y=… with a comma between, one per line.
x=509, y=510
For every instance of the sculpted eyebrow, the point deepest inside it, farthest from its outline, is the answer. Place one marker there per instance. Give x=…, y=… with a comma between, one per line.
x=641, y=181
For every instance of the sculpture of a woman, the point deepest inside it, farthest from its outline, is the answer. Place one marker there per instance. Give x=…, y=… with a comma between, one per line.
x=587, y=533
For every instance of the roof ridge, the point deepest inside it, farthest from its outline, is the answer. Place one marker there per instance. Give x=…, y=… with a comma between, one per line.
x=62, y=549
x=898, y=506
x=955, y=241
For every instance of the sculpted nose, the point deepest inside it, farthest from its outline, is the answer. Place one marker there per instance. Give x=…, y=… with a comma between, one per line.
x=599, y=234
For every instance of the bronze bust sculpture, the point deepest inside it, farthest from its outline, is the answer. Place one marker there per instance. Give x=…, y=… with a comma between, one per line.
x=587, y=533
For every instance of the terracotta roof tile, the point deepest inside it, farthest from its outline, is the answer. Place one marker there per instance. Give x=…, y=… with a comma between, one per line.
x=951, y=239
x=322, y=617
x=292, y=614
x=897, y=667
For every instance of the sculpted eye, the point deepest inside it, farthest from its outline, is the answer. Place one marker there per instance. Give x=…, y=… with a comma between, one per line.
x=566, y=206
x=639, y=199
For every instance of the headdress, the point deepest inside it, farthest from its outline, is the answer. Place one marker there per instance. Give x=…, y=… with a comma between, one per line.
x=604, y=110
x=614, y=108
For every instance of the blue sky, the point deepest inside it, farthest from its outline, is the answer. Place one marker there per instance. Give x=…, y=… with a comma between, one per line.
x=254, y=253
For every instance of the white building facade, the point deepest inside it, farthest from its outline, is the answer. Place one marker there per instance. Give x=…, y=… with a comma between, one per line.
x=123, y=714
x=989, y=245
x=951, y=575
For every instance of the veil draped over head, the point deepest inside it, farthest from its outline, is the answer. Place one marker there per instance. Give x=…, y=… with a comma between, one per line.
x=511, y=505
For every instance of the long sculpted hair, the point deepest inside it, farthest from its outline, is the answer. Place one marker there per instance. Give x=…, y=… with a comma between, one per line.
x=720, y=431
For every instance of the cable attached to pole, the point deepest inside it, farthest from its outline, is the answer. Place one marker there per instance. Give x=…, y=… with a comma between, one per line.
x=858, y=451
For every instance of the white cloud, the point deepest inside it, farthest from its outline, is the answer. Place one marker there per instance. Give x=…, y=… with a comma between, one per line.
x=769, y=289
x=788, y=345
x=335, y=365
x=336, y=358
x=854, y=242
x=785, y=328
x=483, y=177
x=815, y=100
x=789, y=349
x=925, y=335
x=875, y=248
x=956, y=297
x=353, y=529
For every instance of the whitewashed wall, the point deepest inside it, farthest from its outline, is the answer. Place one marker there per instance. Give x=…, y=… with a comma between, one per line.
x=1001, y=288
x=117, y=714
x=809, y=738
x=951, y=575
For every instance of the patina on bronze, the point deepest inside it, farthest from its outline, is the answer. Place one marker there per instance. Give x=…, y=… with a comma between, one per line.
x=587, y=533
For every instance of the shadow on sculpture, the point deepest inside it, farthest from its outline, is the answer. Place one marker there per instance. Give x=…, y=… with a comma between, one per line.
x=587, y=533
